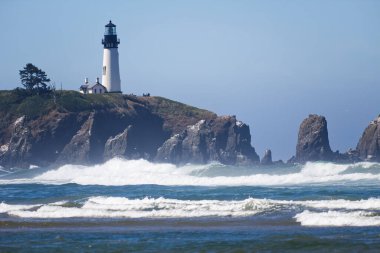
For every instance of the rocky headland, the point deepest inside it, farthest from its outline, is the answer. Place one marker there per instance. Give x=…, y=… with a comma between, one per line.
x=88, y=129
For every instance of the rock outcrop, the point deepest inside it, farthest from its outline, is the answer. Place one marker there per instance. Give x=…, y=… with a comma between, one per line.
x=117, y=146
x=78, y=149
x=368, y=148
x=267, y=158
x=90, y=129
x=19, y=146
x=313, y=141
x=222, y=139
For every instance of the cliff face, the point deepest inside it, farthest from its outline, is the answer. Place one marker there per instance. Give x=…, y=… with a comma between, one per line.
x=313, y=141
x=368, y=147
x=89, y=129
x=221, y=139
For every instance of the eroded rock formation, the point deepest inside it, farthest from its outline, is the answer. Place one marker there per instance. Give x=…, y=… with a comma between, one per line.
x=222, y=139
x=368, y=147
x=267, y=158
x=313, y=141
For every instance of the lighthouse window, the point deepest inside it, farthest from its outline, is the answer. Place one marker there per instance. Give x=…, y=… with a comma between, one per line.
x=110, y=31
x=104, y=70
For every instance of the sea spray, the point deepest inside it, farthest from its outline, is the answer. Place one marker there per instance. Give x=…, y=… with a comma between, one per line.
x=119, y=172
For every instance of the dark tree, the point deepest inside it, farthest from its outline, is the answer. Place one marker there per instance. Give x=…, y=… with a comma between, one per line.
x=34, y=79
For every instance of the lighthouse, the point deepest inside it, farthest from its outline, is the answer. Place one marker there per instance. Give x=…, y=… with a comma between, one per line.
x=111, y=74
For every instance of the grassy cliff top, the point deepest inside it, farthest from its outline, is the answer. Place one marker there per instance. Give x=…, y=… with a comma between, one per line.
x=176, y=114
x=17, y=103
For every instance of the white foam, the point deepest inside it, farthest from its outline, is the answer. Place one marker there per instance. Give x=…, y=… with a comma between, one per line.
x=117, y=207
x=113, y=207
x=135, y=172
x=4, y=208
x=364, y=204
x=110, y=207
x=338, y=218
x=4, y=148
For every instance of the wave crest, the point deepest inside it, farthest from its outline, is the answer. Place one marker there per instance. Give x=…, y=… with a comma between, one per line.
x=338, y=218
x=136, y=172
x=338, y=212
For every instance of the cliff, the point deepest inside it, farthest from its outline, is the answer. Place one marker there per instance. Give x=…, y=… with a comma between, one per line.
x=89, y=129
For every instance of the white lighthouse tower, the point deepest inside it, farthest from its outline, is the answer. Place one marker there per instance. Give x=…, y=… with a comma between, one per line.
x=111, y=74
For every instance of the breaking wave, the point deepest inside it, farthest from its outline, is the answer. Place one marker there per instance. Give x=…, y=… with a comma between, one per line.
x=119, y=207
x=136, y=172
x=338, y=218
x=324, y=212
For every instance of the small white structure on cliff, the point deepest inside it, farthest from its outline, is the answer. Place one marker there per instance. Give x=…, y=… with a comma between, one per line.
x=97, y=88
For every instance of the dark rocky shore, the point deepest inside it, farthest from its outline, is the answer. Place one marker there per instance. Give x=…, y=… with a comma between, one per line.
x=88, y=129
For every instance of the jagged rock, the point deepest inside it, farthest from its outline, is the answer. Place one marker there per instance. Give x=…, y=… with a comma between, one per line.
x=291, y=160
x=111, y=134
x=78, y=149
x=117, y=146
x=313, y=141
x=267, y=158
x=124, y=145
x=224, y=139
x=351, y=156
x=17, y=151
x=171, y=150
x=38, y=142
x=196, y=144
x=368, y=147
x=188, y=147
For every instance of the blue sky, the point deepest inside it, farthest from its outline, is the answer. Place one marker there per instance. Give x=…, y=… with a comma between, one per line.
x=270, y=63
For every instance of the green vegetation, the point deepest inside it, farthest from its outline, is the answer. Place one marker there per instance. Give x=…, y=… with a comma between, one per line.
x=164, y=106
x=178, y=115
x=18, y=102
x=73, y=101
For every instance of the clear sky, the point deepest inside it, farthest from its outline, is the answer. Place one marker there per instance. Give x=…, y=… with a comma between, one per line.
x=270, y=63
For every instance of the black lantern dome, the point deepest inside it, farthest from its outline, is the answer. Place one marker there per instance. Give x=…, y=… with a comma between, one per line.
x=110, y=37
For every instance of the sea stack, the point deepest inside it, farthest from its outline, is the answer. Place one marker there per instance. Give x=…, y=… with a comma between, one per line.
x=111, y=74
x=267, y=158
x=368, y=146
x=313, y=140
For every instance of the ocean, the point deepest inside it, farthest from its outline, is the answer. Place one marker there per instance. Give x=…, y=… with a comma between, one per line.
x=138, y=206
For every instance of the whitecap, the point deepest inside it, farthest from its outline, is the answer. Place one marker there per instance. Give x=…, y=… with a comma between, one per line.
x=137, y=172
x=338, y=218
